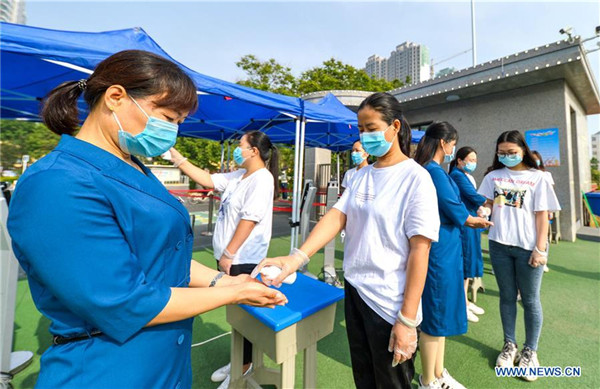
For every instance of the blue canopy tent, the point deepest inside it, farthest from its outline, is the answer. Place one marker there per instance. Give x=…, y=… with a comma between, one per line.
x=35, y=60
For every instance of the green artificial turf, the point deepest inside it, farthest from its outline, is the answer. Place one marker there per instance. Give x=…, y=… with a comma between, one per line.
x=570, y=336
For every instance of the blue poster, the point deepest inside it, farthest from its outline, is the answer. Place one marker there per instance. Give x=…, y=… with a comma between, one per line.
x=545, y=141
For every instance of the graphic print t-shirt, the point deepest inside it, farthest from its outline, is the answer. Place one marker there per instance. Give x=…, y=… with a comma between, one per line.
x=517, y=195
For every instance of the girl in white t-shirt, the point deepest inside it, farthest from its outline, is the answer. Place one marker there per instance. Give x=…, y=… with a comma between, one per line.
x=520, y=197
x=359, y=159
x=244, y=222
x=390, y=225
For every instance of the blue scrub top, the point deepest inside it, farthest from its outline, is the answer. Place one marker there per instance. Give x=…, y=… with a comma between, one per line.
x=468, y=193
x=452, y=210
x=443, y=300
x=102, y=244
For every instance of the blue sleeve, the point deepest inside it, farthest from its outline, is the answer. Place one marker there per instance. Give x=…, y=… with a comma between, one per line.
x=449, y=202
x=65, y=233
x=467, y=190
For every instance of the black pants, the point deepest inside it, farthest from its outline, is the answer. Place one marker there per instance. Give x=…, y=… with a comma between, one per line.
x=236, y=270
x=369, y=336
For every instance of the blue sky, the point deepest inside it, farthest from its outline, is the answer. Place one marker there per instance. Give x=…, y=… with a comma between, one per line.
x=211, y=36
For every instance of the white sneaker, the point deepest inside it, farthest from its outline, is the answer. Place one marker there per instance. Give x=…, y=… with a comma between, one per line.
x=225, y=384
x=472, y=317
x=527, y=360
x=475, y=309
x=448, y=382
x=508, y=355
x=221, y=373
x=435, y=384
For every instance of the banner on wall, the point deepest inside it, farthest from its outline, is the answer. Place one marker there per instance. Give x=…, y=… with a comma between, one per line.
x=546, y=142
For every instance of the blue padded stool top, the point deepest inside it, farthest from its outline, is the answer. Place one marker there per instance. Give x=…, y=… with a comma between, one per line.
x=305, y=297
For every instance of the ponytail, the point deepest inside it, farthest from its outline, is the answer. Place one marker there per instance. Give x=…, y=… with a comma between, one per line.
x=273, y=166
x=60, y=113
x=268, y=153
x=405, y=136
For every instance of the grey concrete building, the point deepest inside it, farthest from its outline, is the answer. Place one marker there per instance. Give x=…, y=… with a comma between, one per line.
x=550, y=86
x=12, y=11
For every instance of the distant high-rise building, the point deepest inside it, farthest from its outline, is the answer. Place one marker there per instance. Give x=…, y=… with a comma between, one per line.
x=596, y=146
x=12, y=11
x=408, y=61
x=377, y=67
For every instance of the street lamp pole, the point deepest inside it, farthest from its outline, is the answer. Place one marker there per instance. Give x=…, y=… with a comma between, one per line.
x=473, y=41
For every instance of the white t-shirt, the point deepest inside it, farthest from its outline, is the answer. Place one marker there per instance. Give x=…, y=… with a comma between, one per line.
x=549, y=177
x=517, y=195
x=348, y=177
x=384, y=208
x=472, y=179
x=244, y=199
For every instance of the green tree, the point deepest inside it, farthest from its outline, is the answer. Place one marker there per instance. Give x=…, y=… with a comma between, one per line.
x=19, y=138
x=595, y=171
x=203, y=153
x=335, y=75
x=267, y=75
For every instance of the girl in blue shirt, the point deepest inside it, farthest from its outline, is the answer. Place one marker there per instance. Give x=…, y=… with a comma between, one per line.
x=444, y=309
x=461, y=168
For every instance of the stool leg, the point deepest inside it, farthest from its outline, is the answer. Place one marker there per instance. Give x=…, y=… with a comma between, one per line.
x=237, y=357
x=310, y=366
x=288, y=373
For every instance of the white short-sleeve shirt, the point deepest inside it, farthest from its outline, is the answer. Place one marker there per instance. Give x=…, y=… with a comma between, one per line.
x=384, y=208
x=517, y=195
x=348, y=177
x=251, y=199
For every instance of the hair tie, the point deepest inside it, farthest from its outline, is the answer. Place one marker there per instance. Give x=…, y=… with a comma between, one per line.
x=82, y=84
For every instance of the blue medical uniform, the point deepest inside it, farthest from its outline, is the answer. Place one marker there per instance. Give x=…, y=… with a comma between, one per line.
x=443, y=300
x=102, y=244
x=471, y=237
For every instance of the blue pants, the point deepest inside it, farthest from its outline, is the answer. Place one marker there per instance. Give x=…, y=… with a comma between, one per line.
x=513, y=274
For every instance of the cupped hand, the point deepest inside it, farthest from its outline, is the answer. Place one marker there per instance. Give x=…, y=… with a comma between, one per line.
x=258, y=295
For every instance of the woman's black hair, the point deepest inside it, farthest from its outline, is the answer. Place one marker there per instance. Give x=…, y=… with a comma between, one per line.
x=390, y=109
x=461, y=154
x=141, y=73
x=431, y=141
x=539, y=157
x=517, y=138
x=268, y=153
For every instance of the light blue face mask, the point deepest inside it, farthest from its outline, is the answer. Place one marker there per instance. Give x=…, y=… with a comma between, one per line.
x=449, y=157
x=357, y=157
x=237, y=156
x=510, y=160
x=157, y=137
x=374, y=143
x=538, y=162
x=470, y=167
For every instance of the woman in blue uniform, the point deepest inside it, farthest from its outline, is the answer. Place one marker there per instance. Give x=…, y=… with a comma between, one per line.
x=461, y=168
x=444, y=309
x=106, y=248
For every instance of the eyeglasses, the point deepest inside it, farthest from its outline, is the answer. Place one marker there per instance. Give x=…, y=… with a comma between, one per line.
x=509, y=155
